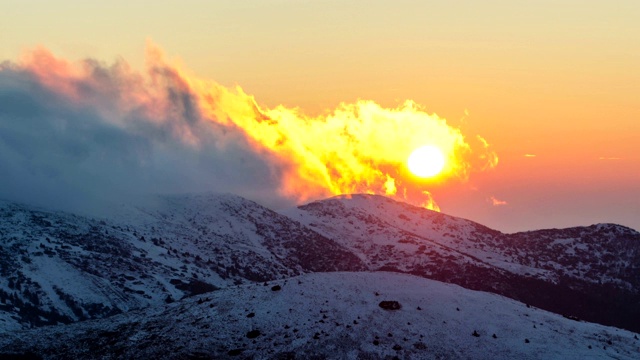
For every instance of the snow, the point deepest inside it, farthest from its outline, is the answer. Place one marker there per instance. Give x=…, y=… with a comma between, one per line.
x=150, y=251
x=369, y=224
x=133, y=259
x=53, y=272
x=338, y=315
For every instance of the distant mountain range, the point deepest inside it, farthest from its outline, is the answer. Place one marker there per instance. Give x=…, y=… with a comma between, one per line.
x=148, y=260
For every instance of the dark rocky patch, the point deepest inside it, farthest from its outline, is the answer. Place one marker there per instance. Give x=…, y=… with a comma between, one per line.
x=235, y=352
x=390, y=305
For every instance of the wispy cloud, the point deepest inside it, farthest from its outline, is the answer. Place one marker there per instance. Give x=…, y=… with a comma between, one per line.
x=496, y=202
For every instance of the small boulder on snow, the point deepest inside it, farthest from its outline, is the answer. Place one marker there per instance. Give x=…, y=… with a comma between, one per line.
x=390, y=305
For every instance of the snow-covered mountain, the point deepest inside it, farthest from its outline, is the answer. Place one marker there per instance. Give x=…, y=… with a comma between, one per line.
x=332, y=316
x=58, y=267
x=147, y=260
x=587, y=272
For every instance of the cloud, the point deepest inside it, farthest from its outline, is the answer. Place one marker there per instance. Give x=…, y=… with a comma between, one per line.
x=74, y=135
x=530, y=155
x=429, y=202
x=74, y=132
x=496, y=202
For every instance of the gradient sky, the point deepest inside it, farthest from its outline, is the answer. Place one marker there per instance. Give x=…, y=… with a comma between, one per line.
x=553, y=86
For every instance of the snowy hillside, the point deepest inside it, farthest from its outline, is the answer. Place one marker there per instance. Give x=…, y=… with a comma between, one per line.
x=58, y=267
x=589, y=272
x=336, y=316
x=372, y=220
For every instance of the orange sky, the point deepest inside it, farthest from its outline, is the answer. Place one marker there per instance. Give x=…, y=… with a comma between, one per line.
x=556, y=79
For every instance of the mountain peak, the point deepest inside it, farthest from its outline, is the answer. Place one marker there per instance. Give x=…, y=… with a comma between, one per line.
x=615, y=229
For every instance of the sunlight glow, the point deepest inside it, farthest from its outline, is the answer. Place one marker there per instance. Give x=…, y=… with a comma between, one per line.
x=426, y=161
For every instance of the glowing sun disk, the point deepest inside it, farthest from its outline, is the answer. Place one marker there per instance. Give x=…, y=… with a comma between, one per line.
x=426, y=161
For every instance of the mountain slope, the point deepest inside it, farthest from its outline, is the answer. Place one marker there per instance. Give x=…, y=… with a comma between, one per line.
x=332, y=315
x=57, y=267
x=587, y=272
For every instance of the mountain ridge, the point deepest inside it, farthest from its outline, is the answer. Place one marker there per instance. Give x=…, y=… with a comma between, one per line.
x=56, y=265
x=567, y=271
x=59, y=267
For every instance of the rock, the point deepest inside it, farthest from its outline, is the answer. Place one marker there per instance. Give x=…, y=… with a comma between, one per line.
x=235, y=352
x=390, y=305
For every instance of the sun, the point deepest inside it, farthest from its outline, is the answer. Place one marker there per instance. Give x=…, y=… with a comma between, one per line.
x=426, y=161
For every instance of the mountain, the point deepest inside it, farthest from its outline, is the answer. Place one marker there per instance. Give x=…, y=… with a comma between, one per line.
x=57, y=267
x=331, y=315
x=592, y=272
x=140, y=272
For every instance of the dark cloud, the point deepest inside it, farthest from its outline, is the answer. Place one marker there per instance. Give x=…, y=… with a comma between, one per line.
x=72, y=141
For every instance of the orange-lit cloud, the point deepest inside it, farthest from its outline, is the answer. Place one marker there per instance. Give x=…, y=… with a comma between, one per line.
x=429, y=202
x=359, y=147
x=497, y=202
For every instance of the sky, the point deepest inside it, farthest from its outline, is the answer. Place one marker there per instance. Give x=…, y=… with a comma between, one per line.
x=536, y=104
